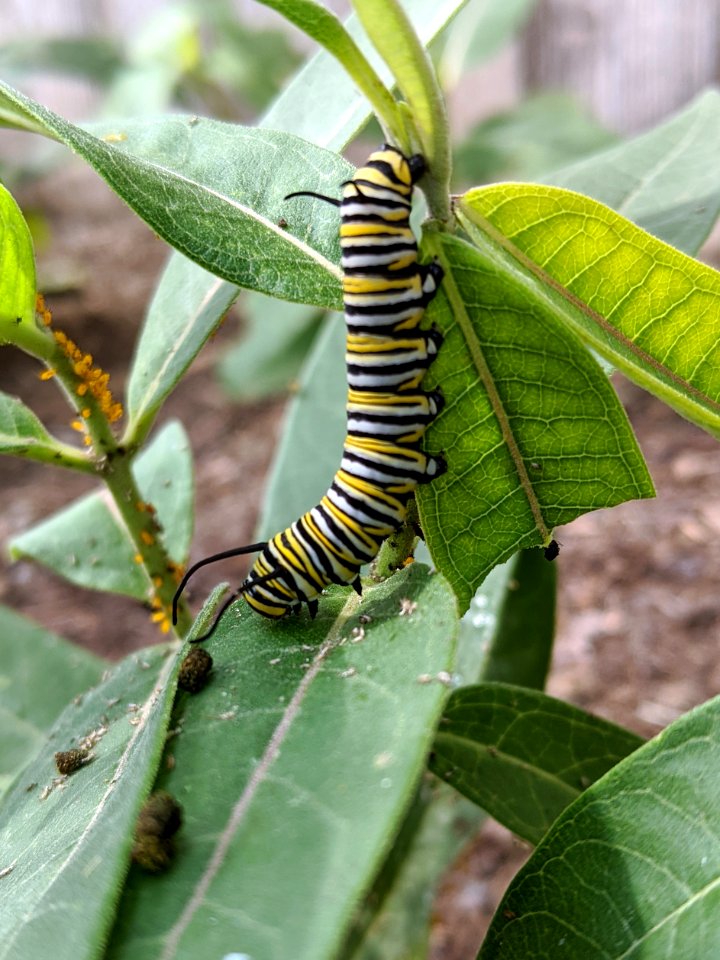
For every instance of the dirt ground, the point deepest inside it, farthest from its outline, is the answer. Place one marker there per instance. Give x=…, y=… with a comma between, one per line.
x=639, y=609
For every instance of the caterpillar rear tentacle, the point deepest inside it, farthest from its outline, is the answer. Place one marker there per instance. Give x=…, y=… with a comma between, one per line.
x=385, y=293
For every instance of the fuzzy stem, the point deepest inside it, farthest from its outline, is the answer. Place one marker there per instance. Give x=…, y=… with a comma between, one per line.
x=395, y=39
x=324, y=27
x=85, y=388
x=145, y=532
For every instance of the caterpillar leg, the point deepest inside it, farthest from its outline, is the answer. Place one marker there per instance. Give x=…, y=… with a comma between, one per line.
x=433, y=340
x=431, y=275
x=417, y=166
x=436, y=466
x=436, y=402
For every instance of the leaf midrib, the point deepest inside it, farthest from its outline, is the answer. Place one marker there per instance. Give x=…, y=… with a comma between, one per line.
x=461, y=317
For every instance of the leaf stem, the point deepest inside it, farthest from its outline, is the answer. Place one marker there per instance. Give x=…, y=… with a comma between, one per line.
x=85, y=387
x=146, y=534
x=393, y=35
x=324, y=27
x=57, y=454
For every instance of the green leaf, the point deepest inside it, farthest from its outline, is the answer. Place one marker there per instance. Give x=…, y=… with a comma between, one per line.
x=523, y=143
x=40, y=672
x=644, y=306
x=189, y=301
x=68, y=845
x=478, y=32
x=17, y=279
x=394, y=924
x=215, y=192
x=22, y=434
x=325, y=739
x=186, y=308
x=666, y=181
x=269, y=355
x=532, y=431
x=639, y=852
x=87, y=543
x=17, y=268
x=20, y=430
x=523, y=756
x=298, y=481
x=523, y=621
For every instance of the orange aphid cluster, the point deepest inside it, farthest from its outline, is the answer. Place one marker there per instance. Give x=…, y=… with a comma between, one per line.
x=160, y=614
x=42, y=310
x=93, y=380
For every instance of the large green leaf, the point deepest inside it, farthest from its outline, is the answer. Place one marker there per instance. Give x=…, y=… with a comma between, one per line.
x=17, y=269
x=17, y=279
x=532, y=431
x=640, y=855
x=666, y=181
x=67, y=846
x=395, y=923
x=87, y=542
x=294, y=767
x=186, y=308
x=647, y=308
x=523, y=756
x=260, y=167
x=39, y=673
x=522, y=625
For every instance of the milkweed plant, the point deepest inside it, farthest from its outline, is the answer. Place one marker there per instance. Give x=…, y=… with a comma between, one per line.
x=326, y=771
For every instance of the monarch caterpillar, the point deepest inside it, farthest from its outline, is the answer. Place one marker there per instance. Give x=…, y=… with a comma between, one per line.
x=385, y=293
